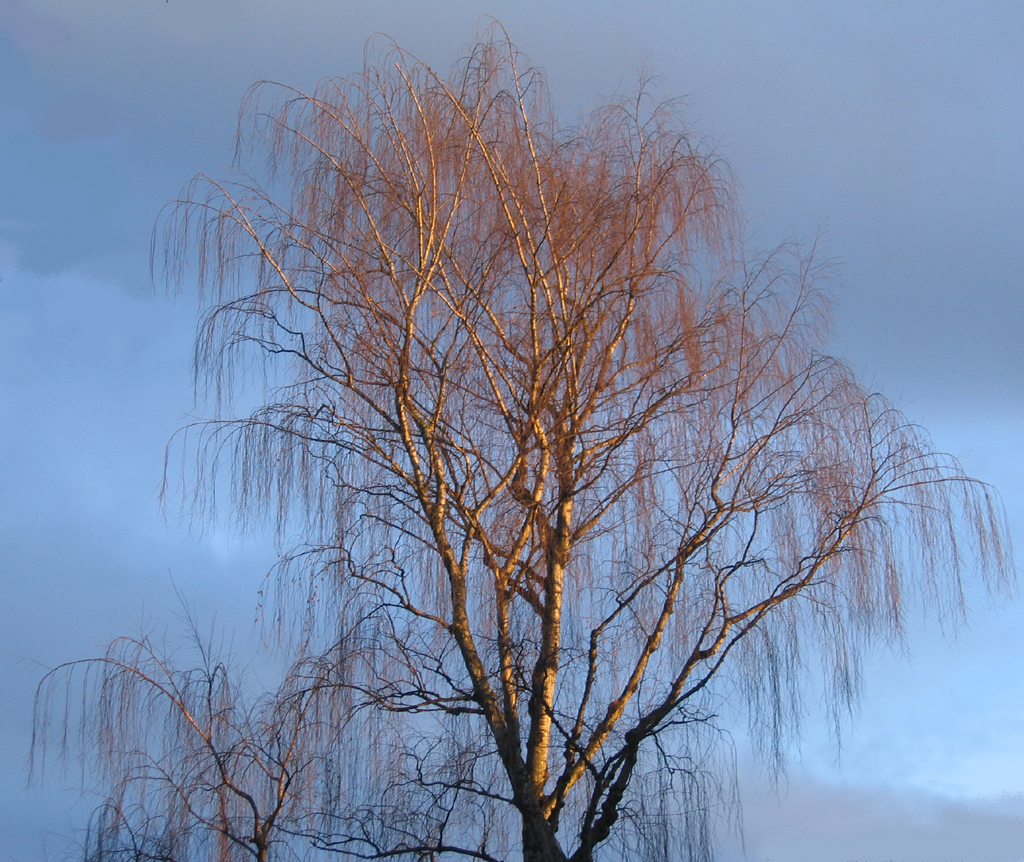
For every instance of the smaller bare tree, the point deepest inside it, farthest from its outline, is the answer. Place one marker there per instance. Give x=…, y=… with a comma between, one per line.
x=191, y=763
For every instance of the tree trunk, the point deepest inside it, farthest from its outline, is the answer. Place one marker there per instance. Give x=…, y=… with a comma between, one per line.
x=539, y=842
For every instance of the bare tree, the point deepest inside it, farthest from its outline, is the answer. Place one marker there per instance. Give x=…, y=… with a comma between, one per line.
x=193, y=764
x=563, y=457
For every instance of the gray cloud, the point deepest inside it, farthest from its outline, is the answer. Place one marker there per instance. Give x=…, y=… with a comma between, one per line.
x=813, y=821
x=896, y=126
x=30, y=30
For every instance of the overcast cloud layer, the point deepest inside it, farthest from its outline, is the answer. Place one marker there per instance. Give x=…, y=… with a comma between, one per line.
x=892, y=131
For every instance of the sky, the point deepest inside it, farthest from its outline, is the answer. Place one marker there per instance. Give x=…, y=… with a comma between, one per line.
x=890, y=133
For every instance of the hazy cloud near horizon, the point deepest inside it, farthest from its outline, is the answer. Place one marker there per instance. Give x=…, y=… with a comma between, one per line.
x=895, y=130
x=814, y=821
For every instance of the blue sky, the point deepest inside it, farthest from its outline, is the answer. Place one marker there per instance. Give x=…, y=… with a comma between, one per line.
x=892, y=131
